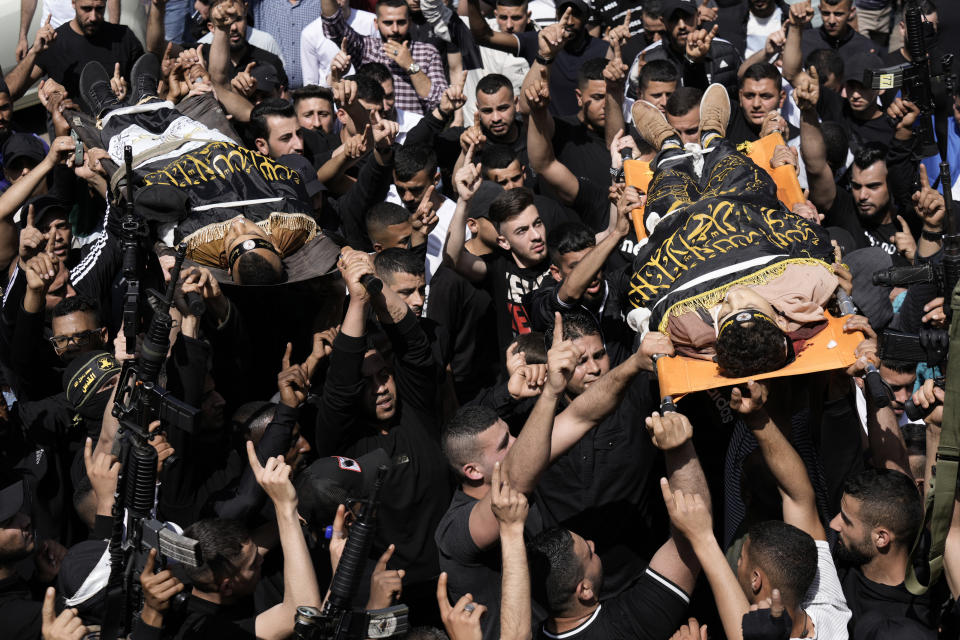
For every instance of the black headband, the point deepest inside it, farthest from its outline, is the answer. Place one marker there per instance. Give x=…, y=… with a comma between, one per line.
x=753, y=315
x=249, y=245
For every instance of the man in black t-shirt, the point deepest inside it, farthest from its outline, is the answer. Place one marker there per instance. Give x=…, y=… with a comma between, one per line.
x=880, y=515
x=18, y=610
x=567, y=575
x=836, y=31
x=862, y=113
x=520, y=264
x=761, y=92
x=242, y=53
x=62, y=54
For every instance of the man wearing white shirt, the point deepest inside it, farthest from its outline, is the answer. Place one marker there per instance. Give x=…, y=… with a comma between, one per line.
x=406, y=120
x=317, y=50
x=509, y=16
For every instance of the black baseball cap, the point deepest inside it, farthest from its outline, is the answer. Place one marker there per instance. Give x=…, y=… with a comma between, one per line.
x=335, y=480
x=22, y=145
x=689, y=7
x=579, y=6
x=857, y=65
x=44, y=207
x=12, y=500
x=479, y=206
x=268, y=80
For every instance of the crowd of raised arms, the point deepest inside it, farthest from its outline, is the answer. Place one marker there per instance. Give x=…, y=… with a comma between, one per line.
x=479, y=319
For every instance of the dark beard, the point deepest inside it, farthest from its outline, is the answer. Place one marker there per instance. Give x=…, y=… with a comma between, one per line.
x=849, y=556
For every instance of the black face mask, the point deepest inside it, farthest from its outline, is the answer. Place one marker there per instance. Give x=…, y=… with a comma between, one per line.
x=93, y=408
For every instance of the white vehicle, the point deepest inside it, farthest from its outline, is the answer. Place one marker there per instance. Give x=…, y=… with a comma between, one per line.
x=133, y=13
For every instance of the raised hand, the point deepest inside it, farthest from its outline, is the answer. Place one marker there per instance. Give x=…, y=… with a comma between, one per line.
x=338, y=537
x=929, y=203
x=472, y=135
x=453, y=98
x=509, y=506
x=630, y=199
x=293, y=383
x=103, y=471
x=274, y=477
x=905, y=114
x=344, y=93
x=783, y=155
x=562, y=359
x=244, y=83
x=384, y=131
x=355, y=146
x=118, y=83
x=619, y=34
x=538, y=92
x=707, y=14
x=462, y=620
x=399, y=52
x=353, y=265
x=616, y=71
x=42, y=269
x=688, y=512
x=669, y=431
x=806, y=89
x=527, y=380
x=654, y=344
x=66, y=626
x=801, y=13
x=775, y=43
x=158, y=588
x=904, y=240
x=45, y=36
x=62, y=150
x=31, y=240
x=386, y=585
x=753, y=403
x=340, y=64
x=468, y=177
x=698, y=43
x=693, y=630
x=425, y=218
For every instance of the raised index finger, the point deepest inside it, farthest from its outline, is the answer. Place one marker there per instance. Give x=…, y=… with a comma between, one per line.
x=30, y=215
x=924, y=179
x=254, y=460
x=47, y=613
x=442, y=600
x=903, y=223
x=285, y=361
x=557, y=328
x=384, y=559
x=468, y=159
x=565, y=18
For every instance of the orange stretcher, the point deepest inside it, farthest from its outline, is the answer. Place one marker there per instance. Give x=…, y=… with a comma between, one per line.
x=638, y=174
x=828, y=350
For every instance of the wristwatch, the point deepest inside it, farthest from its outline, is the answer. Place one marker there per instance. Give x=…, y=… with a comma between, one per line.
x=413, y=68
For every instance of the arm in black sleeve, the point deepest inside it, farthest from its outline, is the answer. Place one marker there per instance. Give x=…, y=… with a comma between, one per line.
x=415, y=368
x=424, y=132
x=31, y=359
x=13, y=300
x=695, y=75
x=341, y=394
x=371, y=187
x=274, y=442
x=94, y=275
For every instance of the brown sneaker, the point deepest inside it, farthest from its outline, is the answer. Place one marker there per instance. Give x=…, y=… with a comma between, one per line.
x=651, y=123
x=715, y=110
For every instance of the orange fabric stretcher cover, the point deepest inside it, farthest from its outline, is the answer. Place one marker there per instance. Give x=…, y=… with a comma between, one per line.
x=638, y=174
x=679, y=375
x=788, y=186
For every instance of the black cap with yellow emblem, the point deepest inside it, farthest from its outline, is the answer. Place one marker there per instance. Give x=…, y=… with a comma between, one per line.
x=86, y=374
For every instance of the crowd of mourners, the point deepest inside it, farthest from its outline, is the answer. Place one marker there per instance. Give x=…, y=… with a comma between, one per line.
x=433, y=252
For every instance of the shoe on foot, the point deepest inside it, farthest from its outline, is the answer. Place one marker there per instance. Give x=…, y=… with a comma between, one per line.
x=651, y=123
x=95, y=89
x=715, y=110
x=145, y=78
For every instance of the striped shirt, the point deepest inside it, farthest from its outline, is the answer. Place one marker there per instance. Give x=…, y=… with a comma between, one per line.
x=370, y=49
x=285, y=21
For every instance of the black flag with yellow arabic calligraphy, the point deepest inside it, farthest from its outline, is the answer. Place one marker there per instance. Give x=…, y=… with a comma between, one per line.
x=733, y=231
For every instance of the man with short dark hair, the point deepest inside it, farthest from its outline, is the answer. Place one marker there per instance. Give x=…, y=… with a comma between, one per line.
x=760, y=95
x=232, y=565
x=567, y=575
x=405, y=119
x=244, y=56
x=563, y=46
x=314, y=108
x=62, y=54
x=274, y=129
x=700, y=57
x=683, y=113
x=519, y=265
x=837, y=32
x=655, y=83
x=416, y=66
x=880, y=515
x=402, y=270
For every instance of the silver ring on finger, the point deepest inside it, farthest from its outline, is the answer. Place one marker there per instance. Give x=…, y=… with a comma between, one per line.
x=469, y=607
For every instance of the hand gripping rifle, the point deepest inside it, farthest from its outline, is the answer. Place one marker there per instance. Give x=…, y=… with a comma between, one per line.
x=139, y=401
x=338, y=620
